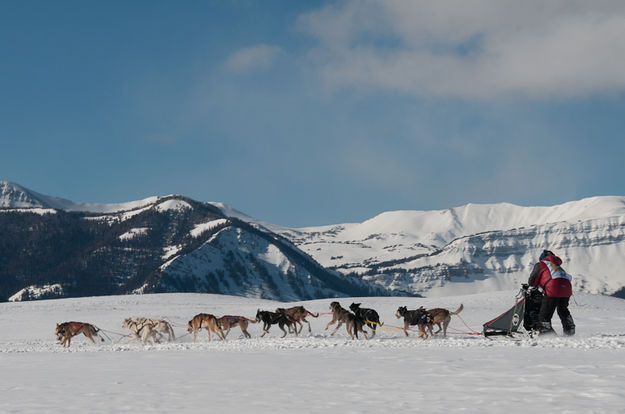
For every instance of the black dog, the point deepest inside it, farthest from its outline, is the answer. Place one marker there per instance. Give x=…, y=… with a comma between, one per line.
x=419, y=317
x=273, y=318
x=368, y=316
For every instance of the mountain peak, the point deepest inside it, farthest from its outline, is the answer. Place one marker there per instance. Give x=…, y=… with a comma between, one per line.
x=15, y=196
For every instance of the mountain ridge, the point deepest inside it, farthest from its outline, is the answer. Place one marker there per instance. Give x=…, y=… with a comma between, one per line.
x=153, y=245
x=465, y=249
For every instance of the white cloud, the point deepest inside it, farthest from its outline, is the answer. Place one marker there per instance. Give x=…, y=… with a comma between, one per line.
x=472, y=49
x=258, y=57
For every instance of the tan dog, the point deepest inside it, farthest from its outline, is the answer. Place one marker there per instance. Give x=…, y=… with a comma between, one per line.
x=442, y=316
x=66, y=330
x=353, y=325
x=425, y=319
x=298, y=314
x=206, y=321
x=228, y=321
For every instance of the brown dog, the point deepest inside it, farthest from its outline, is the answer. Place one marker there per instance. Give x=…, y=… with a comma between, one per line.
x=425, y=319
x=206, y=321
x=353, y=325
x=228, y=321
x=442, y=316
x=66, y=330
x=298, y=314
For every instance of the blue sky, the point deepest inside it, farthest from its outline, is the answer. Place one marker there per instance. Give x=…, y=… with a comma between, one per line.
x=309, y=113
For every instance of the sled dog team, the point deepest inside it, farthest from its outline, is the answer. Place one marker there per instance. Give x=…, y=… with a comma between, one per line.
x=154, y=330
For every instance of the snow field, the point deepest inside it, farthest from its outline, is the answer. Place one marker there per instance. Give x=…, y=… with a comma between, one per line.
x=313, y=372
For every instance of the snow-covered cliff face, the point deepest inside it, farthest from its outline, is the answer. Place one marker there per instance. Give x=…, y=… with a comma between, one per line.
x=235, y=261
x=177, y=244
x=476, y=248
x=161, y=244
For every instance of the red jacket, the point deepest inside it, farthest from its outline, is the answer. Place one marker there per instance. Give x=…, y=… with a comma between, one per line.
x=541, y=276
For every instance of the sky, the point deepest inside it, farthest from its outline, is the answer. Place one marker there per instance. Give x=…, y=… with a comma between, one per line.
x=305, y=113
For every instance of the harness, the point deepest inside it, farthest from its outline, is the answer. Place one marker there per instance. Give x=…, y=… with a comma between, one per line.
x=139, y=327
x=417, y=317
x=75, y=327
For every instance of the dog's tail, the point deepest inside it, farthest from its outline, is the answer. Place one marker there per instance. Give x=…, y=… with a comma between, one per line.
x=170, y=331
x=314, y=315
x=459, y=310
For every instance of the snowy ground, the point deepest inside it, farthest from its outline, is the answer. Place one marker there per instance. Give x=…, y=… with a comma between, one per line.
x=312, y=373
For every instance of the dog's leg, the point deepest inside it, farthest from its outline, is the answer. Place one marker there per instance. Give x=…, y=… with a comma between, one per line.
x=373, y=327
x=330, y=323
x=406, y=326
x=266, y=328
x=281, y=326
x=243, y=325
x=445, y=325
x=337, y=328
x=349, y=327
x=220, y=333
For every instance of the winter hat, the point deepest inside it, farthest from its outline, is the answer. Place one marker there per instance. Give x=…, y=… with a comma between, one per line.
x=546, y=253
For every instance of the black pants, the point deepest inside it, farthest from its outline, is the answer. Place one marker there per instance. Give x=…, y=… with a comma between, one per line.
x=548, y=307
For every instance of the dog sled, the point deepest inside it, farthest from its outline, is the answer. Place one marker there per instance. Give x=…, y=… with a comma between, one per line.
x=521, y=319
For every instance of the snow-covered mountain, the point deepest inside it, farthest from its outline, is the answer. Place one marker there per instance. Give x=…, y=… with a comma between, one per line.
x=475, y=248
x=14, y=196
x=211, y=247
x=56, y=248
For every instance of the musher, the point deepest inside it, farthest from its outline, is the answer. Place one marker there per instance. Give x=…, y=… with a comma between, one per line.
x=556, y=285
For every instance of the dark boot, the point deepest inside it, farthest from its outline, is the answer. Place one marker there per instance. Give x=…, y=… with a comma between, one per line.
x=568, y=326
x=545, y=328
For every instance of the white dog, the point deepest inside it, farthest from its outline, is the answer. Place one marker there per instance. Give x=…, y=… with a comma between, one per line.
x=143, y=331
x=161, y=327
